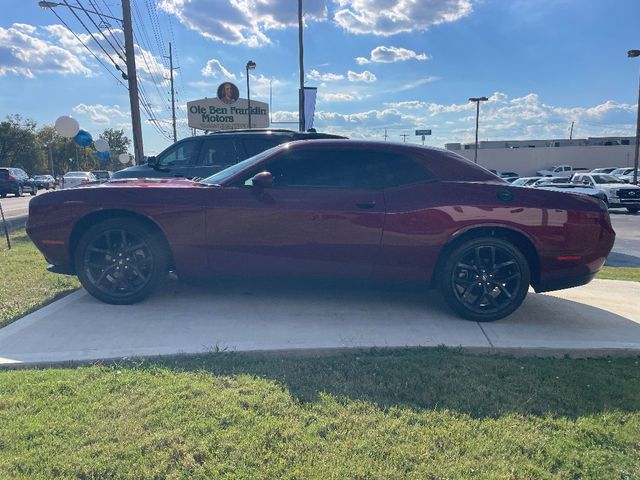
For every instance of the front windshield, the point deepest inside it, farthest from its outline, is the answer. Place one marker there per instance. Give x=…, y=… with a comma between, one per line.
x=605, y=179
x=618, y=171
x=223, y=175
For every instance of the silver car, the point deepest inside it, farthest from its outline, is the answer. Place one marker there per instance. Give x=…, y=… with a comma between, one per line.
x=73, y=179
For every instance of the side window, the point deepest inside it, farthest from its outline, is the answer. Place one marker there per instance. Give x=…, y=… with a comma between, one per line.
x=355, y=169
x=180, y=155
x=253, y=146
x=218, y=152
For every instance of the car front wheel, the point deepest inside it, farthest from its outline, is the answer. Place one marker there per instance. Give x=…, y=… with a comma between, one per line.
x=485, y=279
x=121, y=262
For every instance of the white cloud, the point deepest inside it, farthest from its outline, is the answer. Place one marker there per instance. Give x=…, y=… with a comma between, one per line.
x=215, y=69
x=99, y=113
x=240, y=21
x=325, y=77
x=388, y=17
x=383, y=54
x=337, y=97
x=365, y=76
x=24, y=52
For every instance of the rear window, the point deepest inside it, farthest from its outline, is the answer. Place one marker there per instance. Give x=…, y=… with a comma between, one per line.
x=4, y=173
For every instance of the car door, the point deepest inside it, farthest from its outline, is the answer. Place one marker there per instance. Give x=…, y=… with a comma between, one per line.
x=321, y=217
x=178, y=160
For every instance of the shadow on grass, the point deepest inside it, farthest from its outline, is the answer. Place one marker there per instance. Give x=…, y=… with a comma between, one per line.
x=480, y=385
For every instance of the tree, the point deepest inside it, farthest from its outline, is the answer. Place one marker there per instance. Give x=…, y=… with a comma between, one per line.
x=118, y=143
x=19, y=145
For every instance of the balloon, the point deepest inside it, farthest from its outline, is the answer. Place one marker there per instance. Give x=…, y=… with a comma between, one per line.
x=66, y=126
x=83, y=138
x=103, y=155
x=101, y=145
x=124, y=158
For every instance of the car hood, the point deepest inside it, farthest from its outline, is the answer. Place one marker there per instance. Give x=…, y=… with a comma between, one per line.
x=616, y=185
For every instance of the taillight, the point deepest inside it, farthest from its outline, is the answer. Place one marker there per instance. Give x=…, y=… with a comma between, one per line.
x=11, y=178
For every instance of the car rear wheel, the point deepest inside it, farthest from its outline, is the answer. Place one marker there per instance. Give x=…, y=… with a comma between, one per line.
x=121, y=262
x=485, y=279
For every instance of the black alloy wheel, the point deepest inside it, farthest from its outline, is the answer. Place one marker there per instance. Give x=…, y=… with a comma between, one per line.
x=485, y=279
x=120, y=262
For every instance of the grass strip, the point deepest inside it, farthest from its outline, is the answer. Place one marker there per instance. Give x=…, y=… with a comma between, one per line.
x=25, y=283
x=387, y=414
x=620, y=273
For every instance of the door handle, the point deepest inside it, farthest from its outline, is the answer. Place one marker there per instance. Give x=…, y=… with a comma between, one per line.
x=366, y=205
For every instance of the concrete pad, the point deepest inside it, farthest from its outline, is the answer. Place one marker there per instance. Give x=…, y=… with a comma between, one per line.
x=183, y=318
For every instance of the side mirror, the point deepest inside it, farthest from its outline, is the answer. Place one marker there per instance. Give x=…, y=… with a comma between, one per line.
x=152, y=161
x=262, y=180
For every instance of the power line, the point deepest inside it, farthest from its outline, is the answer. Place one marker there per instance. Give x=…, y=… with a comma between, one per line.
x=100, y=30
x=88, y=49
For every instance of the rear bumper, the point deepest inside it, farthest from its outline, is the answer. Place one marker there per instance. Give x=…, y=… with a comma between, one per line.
x=564, y=282
x=63, y=270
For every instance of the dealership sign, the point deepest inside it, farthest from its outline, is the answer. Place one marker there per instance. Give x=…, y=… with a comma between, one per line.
x=227, y=111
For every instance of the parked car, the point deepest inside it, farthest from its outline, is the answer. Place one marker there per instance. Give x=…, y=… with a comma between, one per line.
x=576, y=189
x=74, y=179
x=16, y=181
x=102, y=175
x=508, y=174
x=628, y=177
x=525, y=181
x=544, y=181
x=560, y=171
x=204, y=155
x=603, y=170
x=45, y=181
x=510, y=179
x=618, y=194
x=618, y=172
x=337, y=208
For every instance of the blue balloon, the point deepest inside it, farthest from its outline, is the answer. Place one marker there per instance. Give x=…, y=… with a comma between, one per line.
x=83, y=138
x=102, y=155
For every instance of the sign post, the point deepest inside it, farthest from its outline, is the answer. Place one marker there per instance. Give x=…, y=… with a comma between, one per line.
x=423, y=133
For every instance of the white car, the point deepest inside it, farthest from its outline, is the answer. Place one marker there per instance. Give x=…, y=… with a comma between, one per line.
x=618, y=194
x=73, y=179
x=560, y=171
x=525, y=181
x=628, y=177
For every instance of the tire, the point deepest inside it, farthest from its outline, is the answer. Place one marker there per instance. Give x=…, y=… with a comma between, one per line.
x=485, y=279
x=633, y=209
x=19, y=191
x=116, y=273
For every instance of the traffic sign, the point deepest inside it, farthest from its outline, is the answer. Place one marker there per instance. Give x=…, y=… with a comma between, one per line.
x=423, y=132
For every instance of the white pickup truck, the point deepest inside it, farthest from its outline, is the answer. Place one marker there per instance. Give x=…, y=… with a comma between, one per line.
x=560, y=171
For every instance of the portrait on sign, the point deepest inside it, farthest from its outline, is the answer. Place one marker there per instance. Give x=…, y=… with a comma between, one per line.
x=228, y=92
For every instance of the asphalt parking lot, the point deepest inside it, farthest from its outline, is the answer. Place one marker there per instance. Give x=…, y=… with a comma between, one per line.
x=626, y=250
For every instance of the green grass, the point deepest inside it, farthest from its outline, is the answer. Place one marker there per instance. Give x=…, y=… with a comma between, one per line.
x=620, y=273
x=25, y=284
x=408, y=413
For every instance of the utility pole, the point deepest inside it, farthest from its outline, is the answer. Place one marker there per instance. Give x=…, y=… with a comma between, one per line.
x=301, y=55
x=571, y=132
x=385, y=135
x=404, y=137
x=133, y=82
x=50, y=151
x=173, y=98
x=634, y=54
x=477, y=100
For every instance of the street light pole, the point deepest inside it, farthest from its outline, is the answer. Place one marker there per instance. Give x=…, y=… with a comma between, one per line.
x=633, y=54
x=477, y=100
x=301, y=126
x=251, y=65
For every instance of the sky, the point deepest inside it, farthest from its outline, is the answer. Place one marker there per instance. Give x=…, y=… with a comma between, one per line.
x=398, y=65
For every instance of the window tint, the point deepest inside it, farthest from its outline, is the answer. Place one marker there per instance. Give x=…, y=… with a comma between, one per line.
x=179, y=156
x=253, y=146
x=218, y=152
x=356, y=169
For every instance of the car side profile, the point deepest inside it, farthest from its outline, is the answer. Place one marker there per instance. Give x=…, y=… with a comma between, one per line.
x=329, y=208
x=618, y=193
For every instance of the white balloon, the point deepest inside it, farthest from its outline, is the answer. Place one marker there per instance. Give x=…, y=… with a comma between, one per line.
x=101, y=145
x=124, y=158
x=67, y=127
